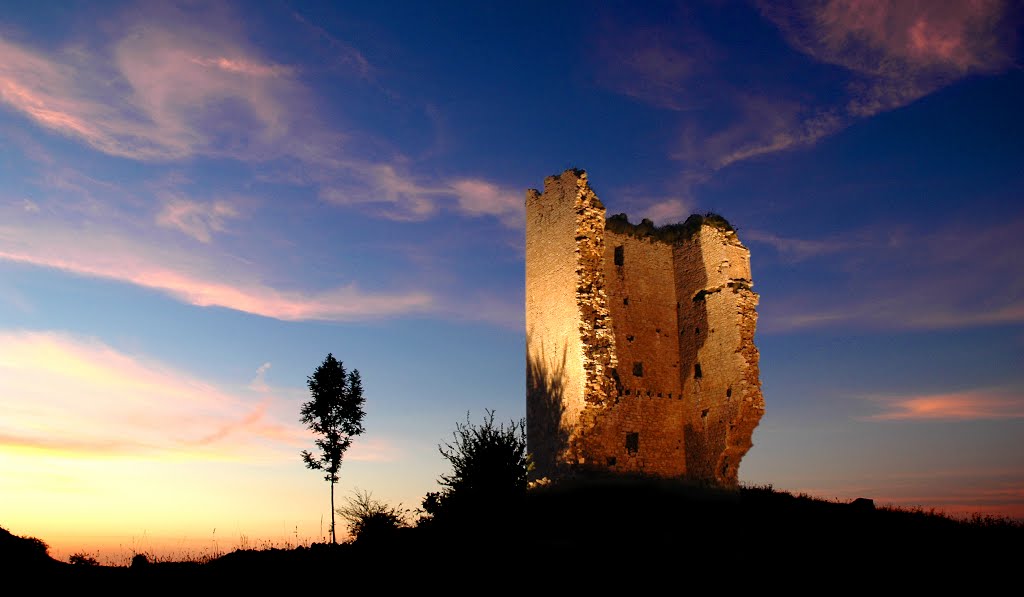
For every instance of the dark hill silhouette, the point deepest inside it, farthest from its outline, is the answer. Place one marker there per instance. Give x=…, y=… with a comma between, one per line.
x=608, y=534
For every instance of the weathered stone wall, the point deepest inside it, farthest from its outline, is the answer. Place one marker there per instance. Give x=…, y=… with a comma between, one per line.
x=640, y=354
x=554, y=347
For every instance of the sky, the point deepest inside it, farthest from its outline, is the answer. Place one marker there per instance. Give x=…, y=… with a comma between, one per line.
x=200, y=201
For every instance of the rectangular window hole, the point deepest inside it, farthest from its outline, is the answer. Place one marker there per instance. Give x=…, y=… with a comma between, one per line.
x=611, y=461
x=697, y=372
x=638, y=368
x=625, y=301
x=728, y=393
x=704, y=413
x=632, y=443
x=618, y=255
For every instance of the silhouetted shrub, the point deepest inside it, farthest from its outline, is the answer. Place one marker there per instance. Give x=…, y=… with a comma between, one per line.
x=489, y=469
x=371, y=520
x=83, y=559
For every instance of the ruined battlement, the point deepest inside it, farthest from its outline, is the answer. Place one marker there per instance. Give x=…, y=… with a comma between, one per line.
x=640, y=352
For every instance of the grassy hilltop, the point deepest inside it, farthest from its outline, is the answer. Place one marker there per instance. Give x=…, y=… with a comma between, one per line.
x=599, y=531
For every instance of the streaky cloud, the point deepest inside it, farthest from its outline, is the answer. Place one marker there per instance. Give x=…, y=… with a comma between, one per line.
x=108, y=254
x=952, y=406
x=101, y=401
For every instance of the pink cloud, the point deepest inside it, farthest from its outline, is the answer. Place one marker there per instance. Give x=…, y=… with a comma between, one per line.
x=163, y=93
x=969, y=405
x=198, y=220
x=668, y=211
x=901, y=50
x=107, y=254
x=477, y=197
x=893, y=52
x=172, y=88
x=98, y=401
x=950, y=35
x=400, y=195
x=245, y=67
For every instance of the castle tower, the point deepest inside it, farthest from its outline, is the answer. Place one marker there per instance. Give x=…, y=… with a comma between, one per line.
x=640, y=353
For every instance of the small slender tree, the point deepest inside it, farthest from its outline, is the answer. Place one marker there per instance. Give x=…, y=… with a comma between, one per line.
x=335, y=414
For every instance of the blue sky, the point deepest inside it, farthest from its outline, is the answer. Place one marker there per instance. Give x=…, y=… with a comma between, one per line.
x=199, y=201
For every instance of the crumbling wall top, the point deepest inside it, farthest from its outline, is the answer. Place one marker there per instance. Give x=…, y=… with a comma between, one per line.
x=670, y=233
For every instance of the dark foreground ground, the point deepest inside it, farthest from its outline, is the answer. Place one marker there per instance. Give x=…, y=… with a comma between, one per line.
x=602, y=536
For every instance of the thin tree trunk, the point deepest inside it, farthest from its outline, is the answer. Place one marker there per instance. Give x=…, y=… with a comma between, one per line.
x=334, y=539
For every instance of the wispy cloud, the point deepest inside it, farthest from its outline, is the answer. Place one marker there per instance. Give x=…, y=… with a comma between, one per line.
x=477, y=197
x=105, y=253
x=668, y=210
x=890, y=52
x=800, y=249
x=967, y=405
x=161, y=94
x=99, y=400
x=398, y=194
x=198, y=220
x=946, y=278
x=763, y=126
x=900, y=50
x=654, y=64
x=169, y=87
x=259, y=383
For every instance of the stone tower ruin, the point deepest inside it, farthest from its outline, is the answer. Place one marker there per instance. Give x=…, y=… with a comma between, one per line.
x=640, y=341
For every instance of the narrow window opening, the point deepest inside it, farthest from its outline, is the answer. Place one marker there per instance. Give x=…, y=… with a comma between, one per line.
x=627, y=392
x=611, y=461
x=618, y=255
x=728, y=393
x=638, y=368
x=632, y=443
x=629, y=338
x=659, y=394
x=704, y=413
x=697, y=331
x=657, y=330
x=625, y=301
x=697, y=374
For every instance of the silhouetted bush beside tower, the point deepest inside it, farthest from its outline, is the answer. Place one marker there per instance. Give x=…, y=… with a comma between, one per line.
x=489, y=471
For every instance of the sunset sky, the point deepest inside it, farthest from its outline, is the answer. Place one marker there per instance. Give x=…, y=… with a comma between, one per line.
x=199, y=201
